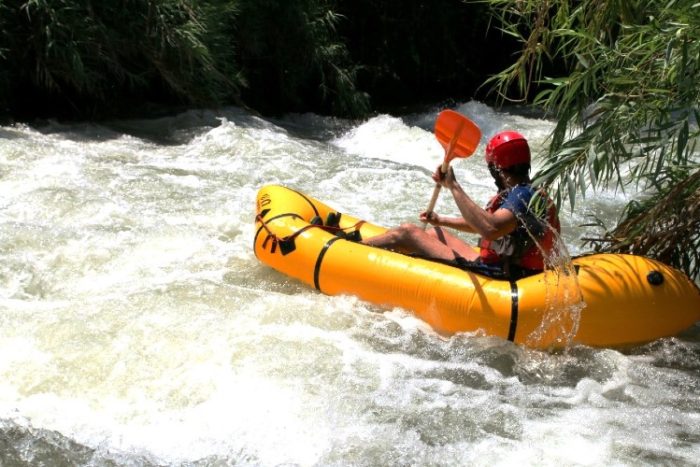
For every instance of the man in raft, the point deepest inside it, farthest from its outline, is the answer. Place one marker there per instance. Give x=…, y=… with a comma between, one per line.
x=517, y=227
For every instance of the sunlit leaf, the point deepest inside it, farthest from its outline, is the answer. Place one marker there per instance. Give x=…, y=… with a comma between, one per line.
x=572, y=191
x=682, y=140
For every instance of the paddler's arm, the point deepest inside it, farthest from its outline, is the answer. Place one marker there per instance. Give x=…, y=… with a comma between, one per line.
x=457, y=223
x=489, y=225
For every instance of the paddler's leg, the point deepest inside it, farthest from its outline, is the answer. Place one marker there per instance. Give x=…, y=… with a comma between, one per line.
x=409, y=238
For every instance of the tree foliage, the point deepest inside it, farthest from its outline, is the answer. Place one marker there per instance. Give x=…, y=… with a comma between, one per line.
x=77, y=52
x=426, y=50
x=294, y=59
x=89, y=59
x=626, y=108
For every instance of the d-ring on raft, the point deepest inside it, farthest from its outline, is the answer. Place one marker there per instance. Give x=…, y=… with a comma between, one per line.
x=628, y=299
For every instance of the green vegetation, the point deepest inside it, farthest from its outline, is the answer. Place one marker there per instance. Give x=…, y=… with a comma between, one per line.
x=92, y=59
x=80, y=56
x=428, y=50
x=293, y=58
x=627, y=110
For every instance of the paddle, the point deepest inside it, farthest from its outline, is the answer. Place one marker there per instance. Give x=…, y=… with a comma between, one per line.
x=460, y=137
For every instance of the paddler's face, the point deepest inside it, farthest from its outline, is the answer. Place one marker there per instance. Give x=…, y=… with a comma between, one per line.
x=497, y=176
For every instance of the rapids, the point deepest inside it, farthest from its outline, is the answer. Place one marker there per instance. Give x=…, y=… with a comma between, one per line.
x=138, y=328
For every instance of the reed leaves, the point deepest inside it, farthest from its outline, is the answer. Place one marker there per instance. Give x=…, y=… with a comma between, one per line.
x=626, y=106
x=90, y=58
x=94, y=52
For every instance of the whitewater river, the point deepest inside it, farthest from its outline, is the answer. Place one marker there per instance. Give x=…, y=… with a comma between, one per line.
x=138, y=328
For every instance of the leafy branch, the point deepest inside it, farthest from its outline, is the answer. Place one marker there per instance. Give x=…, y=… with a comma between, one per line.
x=626, y=110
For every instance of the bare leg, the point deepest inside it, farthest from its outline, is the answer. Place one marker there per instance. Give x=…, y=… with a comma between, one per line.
x=433, y=243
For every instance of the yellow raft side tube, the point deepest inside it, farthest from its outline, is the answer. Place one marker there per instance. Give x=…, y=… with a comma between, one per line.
x=628, y=299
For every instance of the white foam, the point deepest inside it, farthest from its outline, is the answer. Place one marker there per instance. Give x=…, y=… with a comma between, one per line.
x=135, y=318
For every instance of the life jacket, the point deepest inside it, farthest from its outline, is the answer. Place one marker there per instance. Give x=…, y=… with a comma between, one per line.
x=518, y=247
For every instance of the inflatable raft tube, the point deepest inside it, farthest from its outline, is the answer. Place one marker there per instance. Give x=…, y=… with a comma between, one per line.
x=627, y=299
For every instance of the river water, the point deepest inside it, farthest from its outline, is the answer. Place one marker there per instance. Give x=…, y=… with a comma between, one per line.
x=138, y=328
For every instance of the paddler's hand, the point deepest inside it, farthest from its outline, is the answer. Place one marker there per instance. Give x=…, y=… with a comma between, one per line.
x=431, y=218
x=447, y=179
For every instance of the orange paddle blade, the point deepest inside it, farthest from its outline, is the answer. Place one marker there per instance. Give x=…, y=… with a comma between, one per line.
x=457, y=134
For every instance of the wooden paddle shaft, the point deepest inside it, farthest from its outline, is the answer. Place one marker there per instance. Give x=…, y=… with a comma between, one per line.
x=436, y=193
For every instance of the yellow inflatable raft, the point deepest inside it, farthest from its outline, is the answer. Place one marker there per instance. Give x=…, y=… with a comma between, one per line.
x=622, y=299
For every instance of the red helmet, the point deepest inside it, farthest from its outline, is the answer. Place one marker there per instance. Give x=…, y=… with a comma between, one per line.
x=506, y=149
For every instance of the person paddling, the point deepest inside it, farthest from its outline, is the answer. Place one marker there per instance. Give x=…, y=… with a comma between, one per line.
x=517, y=227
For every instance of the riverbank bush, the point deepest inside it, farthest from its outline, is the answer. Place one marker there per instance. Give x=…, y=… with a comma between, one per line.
x=83, y=58
x=627, y=112
x=87, y=59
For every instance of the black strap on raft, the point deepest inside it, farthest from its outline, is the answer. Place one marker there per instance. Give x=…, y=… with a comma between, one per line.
x=495, y=272
x=492, y=271
x=513, y=311
x=287, y=244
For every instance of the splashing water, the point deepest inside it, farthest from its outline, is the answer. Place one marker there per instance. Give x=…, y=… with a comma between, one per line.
x=563, y=299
